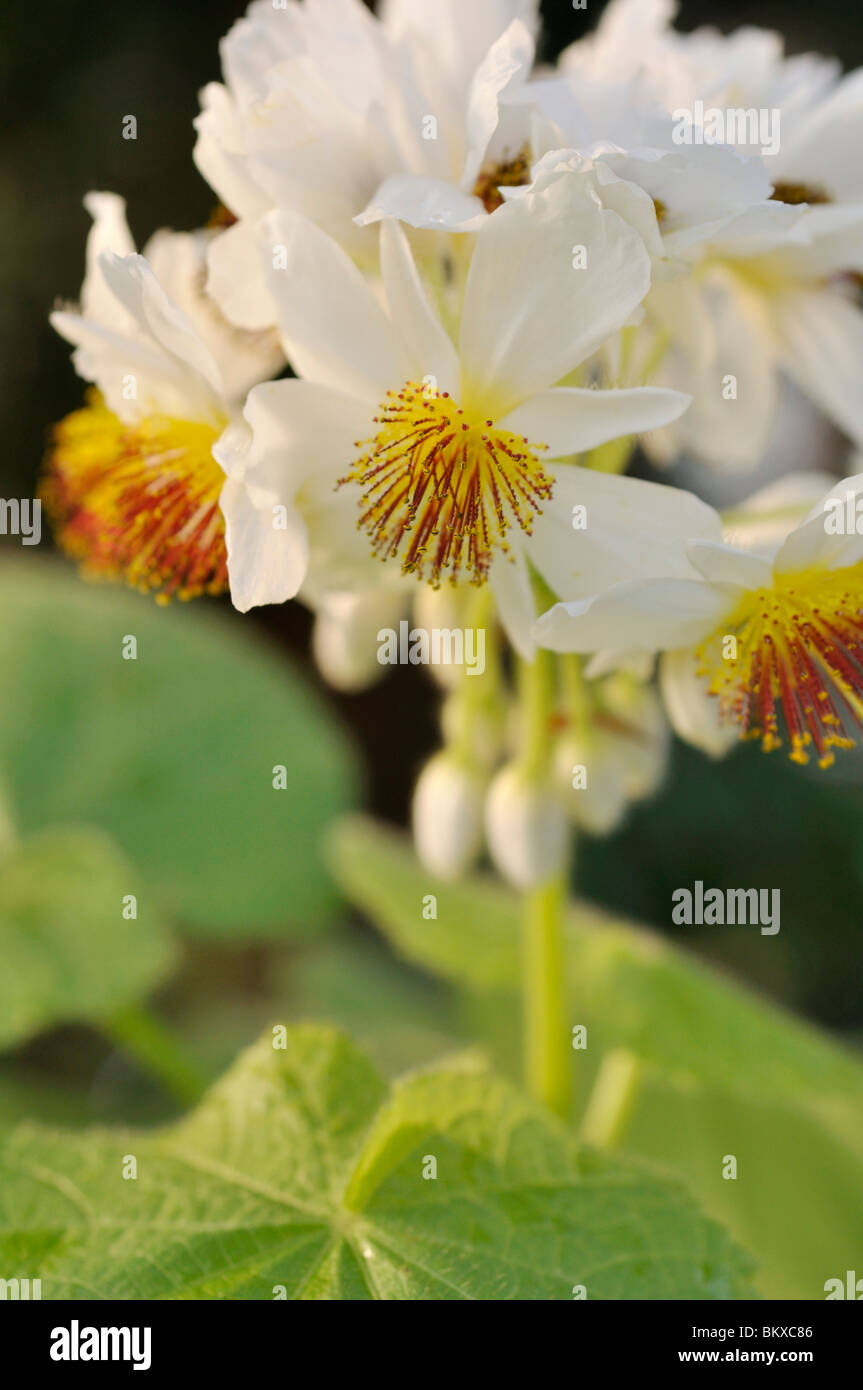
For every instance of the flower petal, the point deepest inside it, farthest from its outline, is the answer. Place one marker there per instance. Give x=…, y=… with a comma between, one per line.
x=423, y=336
x=332, y=327
x=265, y=564
x=553, y=274
x=820, y=342
x=726, y=564
x=651, y=615
x=424, y=202
x=693, y=713
x=631, y=530
x=235, y=278
x=569, y=420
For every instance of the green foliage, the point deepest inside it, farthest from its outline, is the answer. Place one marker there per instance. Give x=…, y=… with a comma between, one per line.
x=779, y=1095
x=301, y=1170
x=172, y=753
x=68, y=953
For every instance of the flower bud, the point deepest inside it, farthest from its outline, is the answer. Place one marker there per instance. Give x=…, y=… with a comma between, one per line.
x=526, y=828
x=592, y=778
x=345, y=637
x=447, y=816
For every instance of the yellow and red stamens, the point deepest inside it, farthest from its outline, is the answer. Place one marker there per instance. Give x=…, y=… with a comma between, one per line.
x=139, y=502
x=441, y=489
x=798, y=663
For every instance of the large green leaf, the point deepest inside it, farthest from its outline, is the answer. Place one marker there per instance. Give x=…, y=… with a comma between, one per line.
x=301, y=1171
x=173, y=752
x=68, y=952
x=726, y=1072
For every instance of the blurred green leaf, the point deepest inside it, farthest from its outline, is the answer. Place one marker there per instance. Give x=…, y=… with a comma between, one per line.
x=633, y=987
x=172, y=753
x=68, y=953
x=797, y=1200
x=727, y=1072
x=301, y=1170
x=398, y=1015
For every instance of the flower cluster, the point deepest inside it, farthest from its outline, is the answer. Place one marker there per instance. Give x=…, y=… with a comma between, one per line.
x=446, y=298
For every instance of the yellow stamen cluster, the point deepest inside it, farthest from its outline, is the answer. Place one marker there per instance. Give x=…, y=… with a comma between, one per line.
x=442, y=489
x=793, y=654
x=139, y=502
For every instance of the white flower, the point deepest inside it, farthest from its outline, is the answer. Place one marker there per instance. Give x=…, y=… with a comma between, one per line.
x=345, y=635
x=526, y=828
x=332, y=113
x=447, y=816
x=757, y=645
x=776, y=283
x=133, y=484
x=445, y=453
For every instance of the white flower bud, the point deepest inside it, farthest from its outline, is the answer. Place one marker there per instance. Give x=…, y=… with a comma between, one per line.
x=447, y=816
x=526, y=828
x=345, y=637
x=592, y=778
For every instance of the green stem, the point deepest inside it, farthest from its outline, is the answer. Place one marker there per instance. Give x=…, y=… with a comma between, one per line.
x=612, y=1099
x=546, y=1055
x=155, y=1048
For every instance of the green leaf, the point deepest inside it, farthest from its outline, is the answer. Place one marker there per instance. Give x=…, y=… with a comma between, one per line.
x=727, y=1072
x=172, y=753
x=634, y=988
x=67, y=951
x=300, y=1170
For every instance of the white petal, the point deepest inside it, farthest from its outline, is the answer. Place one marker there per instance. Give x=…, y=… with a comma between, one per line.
x=303, y=435
x=693, y=713
x=633, y=529
x=265, y=564
x=136, y=287
x=162, y=384
x=510, y=582
x=820, y=339
x=530, y=316
x=825, y=538
x=650, y=615
x=424, y=202
x=726, y=564
x=332, y=327
x=569, y=420
x=424, y=338
x=509, y=59
x=110, y=232
x=235, y=278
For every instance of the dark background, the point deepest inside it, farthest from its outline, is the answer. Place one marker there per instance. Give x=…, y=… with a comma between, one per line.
x=71, y=72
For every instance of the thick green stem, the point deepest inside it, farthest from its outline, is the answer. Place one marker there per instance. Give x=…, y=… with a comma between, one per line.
x=158, y=1052
x=612, y=1099
x=546, y=1054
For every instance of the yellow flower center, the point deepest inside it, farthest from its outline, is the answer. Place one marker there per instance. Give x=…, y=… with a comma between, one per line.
x=441, y=489
x=512, y=172
x=139, y=502
x=793, y=653
x=797, y=193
